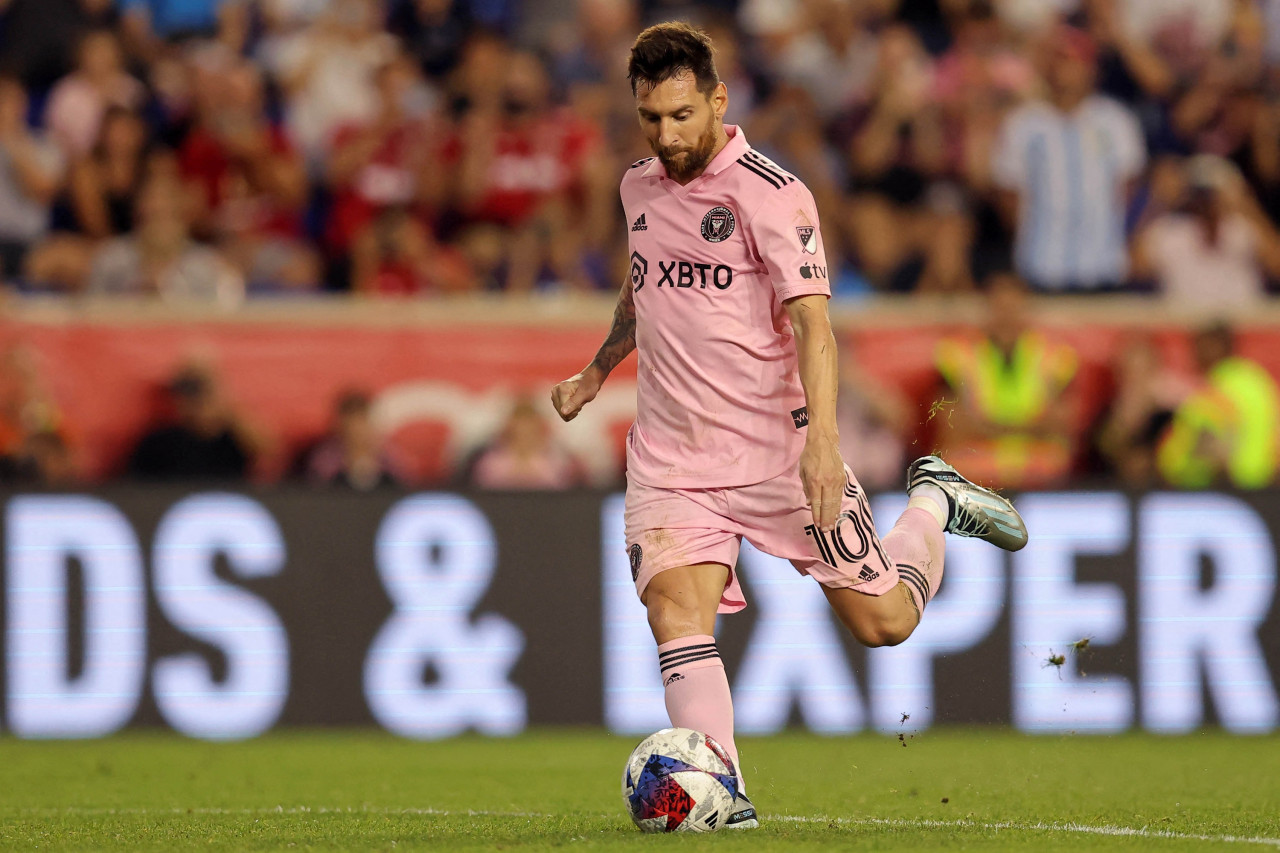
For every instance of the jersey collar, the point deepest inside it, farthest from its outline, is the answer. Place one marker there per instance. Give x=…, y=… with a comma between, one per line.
x=733, y=149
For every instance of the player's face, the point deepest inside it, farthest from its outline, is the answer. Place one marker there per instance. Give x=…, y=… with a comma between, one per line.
x=681, y=123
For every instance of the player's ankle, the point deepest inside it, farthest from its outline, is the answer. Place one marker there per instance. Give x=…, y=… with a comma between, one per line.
x=932, y=500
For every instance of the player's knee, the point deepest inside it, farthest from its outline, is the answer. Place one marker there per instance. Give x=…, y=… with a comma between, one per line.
x=671, y=616
x=883, y=629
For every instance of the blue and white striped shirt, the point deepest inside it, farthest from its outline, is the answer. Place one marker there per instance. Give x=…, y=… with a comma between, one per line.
x=1070, y=172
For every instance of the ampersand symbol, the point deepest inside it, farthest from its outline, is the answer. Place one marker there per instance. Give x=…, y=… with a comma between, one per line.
x=436, y=556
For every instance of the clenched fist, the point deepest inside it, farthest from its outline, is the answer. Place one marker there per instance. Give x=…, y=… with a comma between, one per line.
x=572, y=394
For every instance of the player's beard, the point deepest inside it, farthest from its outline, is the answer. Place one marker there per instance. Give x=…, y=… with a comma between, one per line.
x=683, y=165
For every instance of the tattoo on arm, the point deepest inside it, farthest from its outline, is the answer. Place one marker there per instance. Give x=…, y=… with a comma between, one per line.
x=622, y=334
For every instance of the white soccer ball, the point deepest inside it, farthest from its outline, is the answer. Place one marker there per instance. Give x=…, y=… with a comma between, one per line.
x=679, y=780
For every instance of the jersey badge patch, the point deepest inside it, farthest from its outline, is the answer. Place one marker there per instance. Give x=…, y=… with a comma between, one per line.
x=808, y=238
x=718, y=225
x=635, y=561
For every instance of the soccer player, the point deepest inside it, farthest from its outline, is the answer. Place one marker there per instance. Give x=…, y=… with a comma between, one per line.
x=735, y=431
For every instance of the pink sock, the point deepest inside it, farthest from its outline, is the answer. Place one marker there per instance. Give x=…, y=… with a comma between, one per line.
x=916, y=547
x=697, y=690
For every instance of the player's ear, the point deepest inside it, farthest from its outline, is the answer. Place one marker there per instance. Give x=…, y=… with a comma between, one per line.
x=720, y=99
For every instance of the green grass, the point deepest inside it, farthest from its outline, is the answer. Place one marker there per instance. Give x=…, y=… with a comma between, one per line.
x=559, y=789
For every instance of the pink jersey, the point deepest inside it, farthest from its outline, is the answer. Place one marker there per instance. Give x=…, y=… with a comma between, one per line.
x=719, y=397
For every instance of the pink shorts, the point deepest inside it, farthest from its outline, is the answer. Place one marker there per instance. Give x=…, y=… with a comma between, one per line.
x=668, y=528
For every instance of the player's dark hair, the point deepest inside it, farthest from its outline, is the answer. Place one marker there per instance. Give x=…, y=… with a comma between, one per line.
x=665, y=50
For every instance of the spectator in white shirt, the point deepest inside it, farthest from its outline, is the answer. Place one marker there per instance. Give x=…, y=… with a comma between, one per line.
x=1064, y=166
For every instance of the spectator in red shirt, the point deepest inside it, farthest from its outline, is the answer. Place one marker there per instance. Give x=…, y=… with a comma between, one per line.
x=386, y=189
x=529, y=170
x=382, y=162
x=252, y=179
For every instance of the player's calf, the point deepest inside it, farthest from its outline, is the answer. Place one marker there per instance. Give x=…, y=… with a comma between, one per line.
x=875, y=620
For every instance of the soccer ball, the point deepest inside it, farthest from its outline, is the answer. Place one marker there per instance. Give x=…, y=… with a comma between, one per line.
x=679, y=780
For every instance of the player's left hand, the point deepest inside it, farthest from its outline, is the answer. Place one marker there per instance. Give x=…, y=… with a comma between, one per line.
x=822, y=475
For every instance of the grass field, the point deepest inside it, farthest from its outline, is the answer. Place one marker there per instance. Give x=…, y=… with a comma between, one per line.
x=954, y=790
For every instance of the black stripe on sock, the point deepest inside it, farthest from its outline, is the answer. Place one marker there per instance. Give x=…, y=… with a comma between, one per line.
x=918, y=579
x=669, y=664
x=685, y=654
x=683, y=649
x=916, y=573
x=916, y=584
x=919, y=575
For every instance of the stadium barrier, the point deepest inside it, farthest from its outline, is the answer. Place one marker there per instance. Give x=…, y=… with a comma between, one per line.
x=224, y=614
x=443, y=374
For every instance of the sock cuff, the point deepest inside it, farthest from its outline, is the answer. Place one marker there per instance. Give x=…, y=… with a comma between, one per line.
x=689, y=653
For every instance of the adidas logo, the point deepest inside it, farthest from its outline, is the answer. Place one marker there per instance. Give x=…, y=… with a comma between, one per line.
x=639, y=224
x=675, y=676
x=867, y=574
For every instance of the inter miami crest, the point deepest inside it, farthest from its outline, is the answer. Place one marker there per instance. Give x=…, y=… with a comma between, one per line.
x=717, y=225
x=635, y=561
x=808, y=240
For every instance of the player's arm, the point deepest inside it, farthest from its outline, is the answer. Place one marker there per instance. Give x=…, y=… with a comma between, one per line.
x=821, y=468
x=572, y=394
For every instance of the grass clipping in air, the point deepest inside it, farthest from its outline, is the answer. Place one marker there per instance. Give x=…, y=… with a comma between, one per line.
x=983, y=789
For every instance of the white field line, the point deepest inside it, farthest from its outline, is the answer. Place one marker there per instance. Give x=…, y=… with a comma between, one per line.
x=917, y=823
x=1038, y=826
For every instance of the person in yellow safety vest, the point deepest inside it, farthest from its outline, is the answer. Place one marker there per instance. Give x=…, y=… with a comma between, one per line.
x=1012, y=416
x=1225, y=433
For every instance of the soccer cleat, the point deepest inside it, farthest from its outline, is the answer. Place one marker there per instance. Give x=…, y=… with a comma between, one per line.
x=744, y=815
x=972, y=510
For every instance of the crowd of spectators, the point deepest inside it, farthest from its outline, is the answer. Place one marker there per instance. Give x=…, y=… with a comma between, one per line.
x=217, y=149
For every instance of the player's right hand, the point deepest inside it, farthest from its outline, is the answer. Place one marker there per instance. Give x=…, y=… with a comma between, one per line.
x=572, y=394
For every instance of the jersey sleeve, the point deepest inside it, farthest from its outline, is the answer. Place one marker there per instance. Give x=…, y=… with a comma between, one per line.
x=788, y=238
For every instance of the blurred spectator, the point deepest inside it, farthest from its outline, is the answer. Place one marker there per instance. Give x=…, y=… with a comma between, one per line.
x=432, y=31
x=80, y=100
x=527, y=180
x=34, y=448
x=160, y=258
x=31, y=174
x=102, y=192
x=833, y=59
x=148, y=25
x=386, y=161
x=1226, y=432
x=906, y=226
x=1065, y=165
x=1216, y=248
x=105, y=183
x=396, y=255
x=353, y=454
x=206, y=439
x=38, y=37
x=1012, y=417
x=524, y=455
x=1143, y=398
x=252, y=181
x=874, y=419
x=327, y=73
